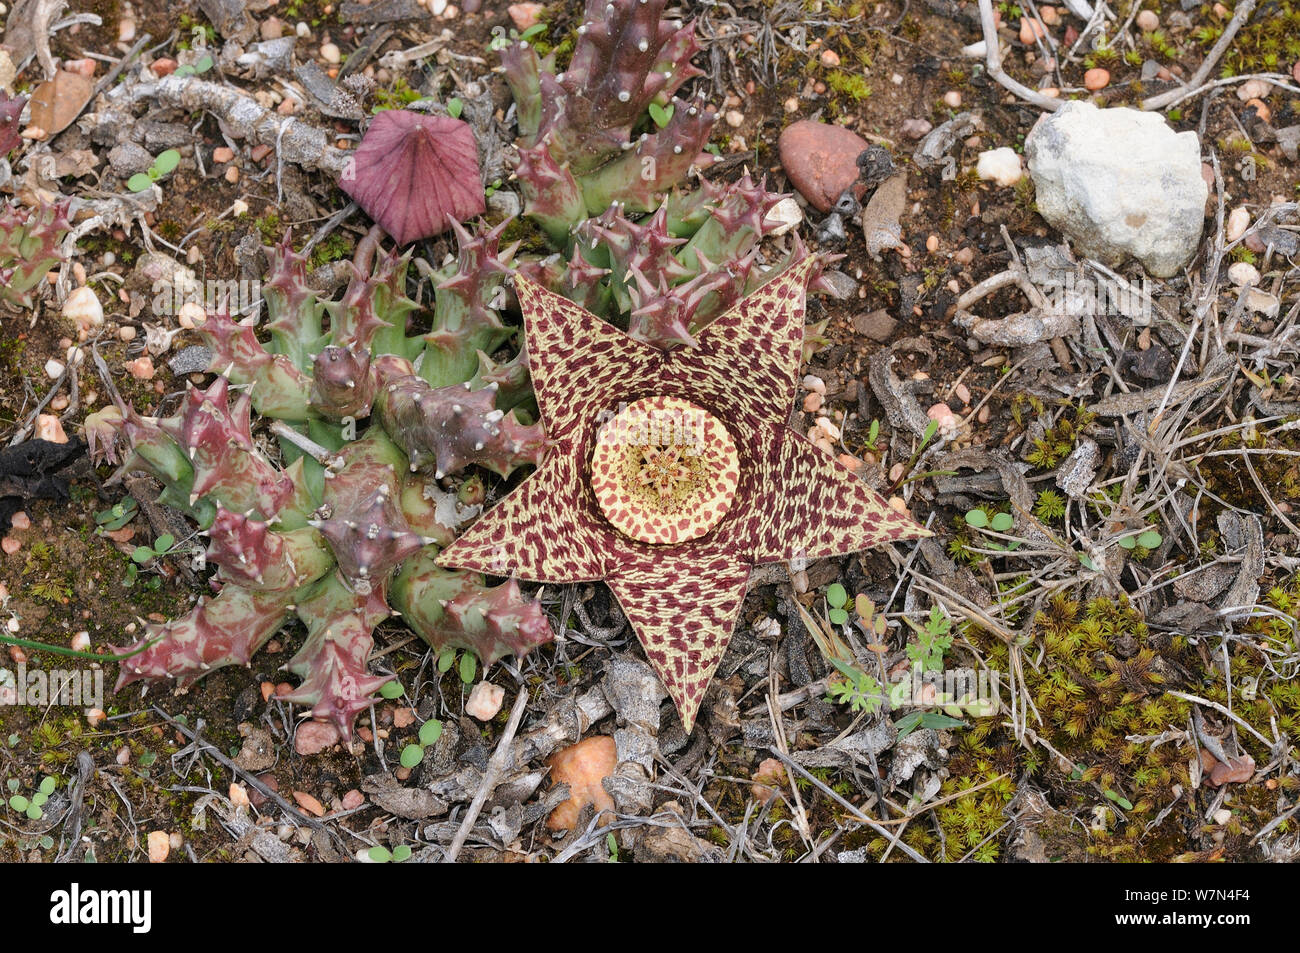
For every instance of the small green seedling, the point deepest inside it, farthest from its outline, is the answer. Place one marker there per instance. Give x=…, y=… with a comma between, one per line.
x=202, y=65
x=925, y=719
x=853, y=687
x=997, y=522
x=164, y=164
x=161, y=547
x=455, y=107
x=467, y=668
x=429, y=734
x=836, y=597
x=661, y=114
x=116, y=516
x=932, y=640
x=382, y=855
x=32, y=806
x=1147, y=539
x=501, y=38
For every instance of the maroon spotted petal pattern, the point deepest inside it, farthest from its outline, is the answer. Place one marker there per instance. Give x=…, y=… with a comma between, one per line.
x=791, y=500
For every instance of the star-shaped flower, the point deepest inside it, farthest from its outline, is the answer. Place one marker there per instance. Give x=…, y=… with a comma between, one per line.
x=671, y=474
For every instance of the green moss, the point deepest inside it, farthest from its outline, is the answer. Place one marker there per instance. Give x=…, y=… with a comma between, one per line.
x=849, y=85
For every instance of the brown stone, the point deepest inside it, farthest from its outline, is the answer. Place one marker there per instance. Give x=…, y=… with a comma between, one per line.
x=820, y=159
x=877, y=325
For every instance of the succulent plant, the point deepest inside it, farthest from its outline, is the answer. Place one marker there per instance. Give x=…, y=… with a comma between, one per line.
x=29, y=247
x=11, y=110
x=605, y=151
x=344, y=525
x=341, y=524
x=673, y=474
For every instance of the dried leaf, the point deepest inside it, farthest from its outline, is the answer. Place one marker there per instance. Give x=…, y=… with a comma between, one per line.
x=415, y=174
x=57, y=102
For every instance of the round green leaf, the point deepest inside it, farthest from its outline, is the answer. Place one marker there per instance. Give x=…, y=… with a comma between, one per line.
x=13, y=783
x=164, y=542
x=1001, y=522
x=836, y=596
x=204, y=64
x=468, y=665
x=47, y=842
x=838, y=616
x=34, y=812
x=48, y=784
x=1149, y=540
x=445, y=660
x=977, y=518
x=454, y=107
x=391, y=689
x=1128, y=542
x=430, y=731
x=401, y=852
x=139, y=182
x=166, y=162
x=412, y=755
x=379, y=855
x=142, y=554
x=39, y=799
x=19, y=803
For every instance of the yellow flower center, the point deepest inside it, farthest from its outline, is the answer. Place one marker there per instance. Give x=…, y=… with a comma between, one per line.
x=664, y=470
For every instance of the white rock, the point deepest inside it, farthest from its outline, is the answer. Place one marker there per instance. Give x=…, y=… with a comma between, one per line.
x=1261, y=302
x=999, y=165
x=330, y=53
x=783, y=216
x=83, y=309
x=1253, y=89
x=485, y=701
x=438, y=7
x=1243, y=273
x=975, y=50
x=1119, y=182
x=1222, y=816
x=53, y=369
x=1238, y=222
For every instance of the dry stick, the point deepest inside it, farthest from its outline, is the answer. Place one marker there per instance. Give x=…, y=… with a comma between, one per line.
x=1239, y=18
x=993, y=62
x=778, y=734
x=116, y=71
x=489, y=782
x=1222, y=710
x=72, y=824
x=202, y=745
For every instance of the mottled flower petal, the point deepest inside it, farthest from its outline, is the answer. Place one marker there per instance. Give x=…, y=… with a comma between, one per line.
x=747, y=360
x=684, y=618
x=822, y=509
x=545, y=531
x=580, y=365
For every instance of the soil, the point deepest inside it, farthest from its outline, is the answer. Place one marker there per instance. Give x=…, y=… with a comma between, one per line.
x=67, y=577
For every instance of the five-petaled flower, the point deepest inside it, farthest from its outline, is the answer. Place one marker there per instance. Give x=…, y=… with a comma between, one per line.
x=671, y=474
